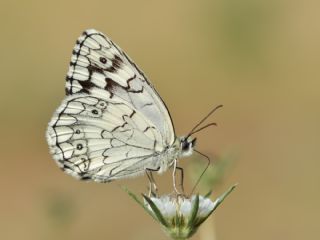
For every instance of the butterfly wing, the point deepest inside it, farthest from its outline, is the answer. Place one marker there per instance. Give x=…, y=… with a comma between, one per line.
x=112, y=124
x=99, y=63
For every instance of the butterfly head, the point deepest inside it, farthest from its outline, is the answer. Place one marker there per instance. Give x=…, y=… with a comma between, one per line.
x=186, y=146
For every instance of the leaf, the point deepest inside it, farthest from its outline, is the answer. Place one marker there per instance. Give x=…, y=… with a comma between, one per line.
x=218, y=201
x=156, y=211
x=135, y=198
x=194, y=211
x=208, y=194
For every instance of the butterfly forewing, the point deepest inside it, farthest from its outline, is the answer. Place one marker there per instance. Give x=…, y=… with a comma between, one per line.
x=112, y=124
x=98, y=63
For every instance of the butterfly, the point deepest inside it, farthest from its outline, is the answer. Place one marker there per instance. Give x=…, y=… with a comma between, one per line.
x=112, y=124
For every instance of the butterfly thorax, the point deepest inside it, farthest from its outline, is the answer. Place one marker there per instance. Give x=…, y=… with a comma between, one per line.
x=182, y=147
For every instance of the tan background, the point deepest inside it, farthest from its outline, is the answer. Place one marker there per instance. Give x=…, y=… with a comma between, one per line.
x=258, y=58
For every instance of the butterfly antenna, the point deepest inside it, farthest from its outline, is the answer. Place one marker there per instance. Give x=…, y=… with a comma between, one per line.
x=205, y=118
x=200, y=129
x=208, y=164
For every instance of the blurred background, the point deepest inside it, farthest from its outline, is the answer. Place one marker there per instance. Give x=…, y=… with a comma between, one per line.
x=258, y=58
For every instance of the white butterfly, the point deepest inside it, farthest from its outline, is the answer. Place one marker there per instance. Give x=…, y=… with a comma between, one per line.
x=112, y=124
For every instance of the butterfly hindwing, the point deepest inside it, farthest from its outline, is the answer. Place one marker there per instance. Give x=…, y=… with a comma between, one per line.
x=92, y=138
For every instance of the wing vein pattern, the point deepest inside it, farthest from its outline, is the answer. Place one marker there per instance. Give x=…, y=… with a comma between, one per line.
x=112, y=124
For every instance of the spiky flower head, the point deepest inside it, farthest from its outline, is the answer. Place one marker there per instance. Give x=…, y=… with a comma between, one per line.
x=180, y=216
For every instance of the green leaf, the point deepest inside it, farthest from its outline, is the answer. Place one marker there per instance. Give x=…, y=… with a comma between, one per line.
x=219, y=201
x=135, y=198
x=194, y=211
x=223, y=196
x=208, y=194
x=156, y=211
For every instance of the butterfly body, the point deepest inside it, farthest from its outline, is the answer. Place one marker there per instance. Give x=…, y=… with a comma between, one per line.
x=182, y=147
x=112, y=124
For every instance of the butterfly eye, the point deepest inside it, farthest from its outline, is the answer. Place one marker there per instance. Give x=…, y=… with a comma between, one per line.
x=103, y=60
x=185, y=145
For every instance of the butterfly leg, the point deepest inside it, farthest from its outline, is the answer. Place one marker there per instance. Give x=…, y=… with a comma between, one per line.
x=153, y=189
x=181, y=178
x=175, y=168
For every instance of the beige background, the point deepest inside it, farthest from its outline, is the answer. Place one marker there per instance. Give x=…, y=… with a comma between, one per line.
x=258, y=58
